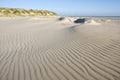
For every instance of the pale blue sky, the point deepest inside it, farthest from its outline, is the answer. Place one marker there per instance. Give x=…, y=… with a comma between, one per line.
x=69, y=7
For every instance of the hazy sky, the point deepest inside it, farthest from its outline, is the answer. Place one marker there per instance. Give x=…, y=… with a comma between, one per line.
x=69, y=7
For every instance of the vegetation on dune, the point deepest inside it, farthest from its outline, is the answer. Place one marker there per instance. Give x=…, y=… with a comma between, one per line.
x=25, y=12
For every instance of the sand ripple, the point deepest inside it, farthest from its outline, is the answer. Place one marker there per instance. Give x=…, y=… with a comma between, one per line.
x=51, y=50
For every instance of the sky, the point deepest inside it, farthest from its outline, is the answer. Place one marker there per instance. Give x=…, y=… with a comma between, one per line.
x=69, y=7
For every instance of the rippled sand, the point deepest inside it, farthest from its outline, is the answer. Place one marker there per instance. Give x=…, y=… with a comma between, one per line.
x=45, y=48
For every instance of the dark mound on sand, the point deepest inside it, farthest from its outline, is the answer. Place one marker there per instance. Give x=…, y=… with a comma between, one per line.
x=61, y=18
x=80, y=20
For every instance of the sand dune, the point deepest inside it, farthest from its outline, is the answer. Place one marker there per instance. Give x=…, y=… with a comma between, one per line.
x=52, y=49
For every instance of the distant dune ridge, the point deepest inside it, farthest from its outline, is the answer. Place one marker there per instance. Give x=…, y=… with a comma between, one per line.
x=80, y=20
x=59, y=48
x=25, y=12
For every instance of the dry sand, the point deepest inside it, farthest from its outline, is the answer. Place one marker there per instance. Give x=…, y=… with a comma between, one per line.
x=44, y=48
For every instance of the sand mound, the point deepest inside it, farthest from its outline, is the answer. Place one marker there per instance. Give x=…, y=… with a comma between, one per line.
x=88, y=21
x=93, y=22
x=80, y=20
x=66, y=19
x=47, y=50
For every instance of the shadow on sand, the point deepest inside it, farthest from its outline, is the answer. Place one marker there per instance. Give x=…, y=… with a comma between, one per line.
x=80, y=21
x=72, y=29
x=61, y=18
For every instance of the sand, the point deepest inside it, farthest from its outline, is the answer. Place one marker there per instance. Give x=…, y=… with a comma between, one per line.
x=46, y=48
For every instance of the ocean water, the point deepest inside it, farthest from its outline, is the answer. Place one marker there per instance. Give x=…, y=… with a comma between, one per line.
x=98, y=16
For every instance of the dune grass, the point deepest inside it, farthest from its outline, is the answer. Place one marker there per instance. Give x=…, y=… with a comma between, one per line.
x=25, y=12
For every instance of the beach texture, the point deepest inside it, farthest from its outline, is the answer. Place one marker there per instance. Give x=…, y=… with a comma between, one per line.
x=53, y=48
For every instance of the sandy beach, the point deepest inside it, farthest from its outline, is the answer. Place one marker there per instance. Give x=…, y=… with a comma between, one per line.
x=54, y=48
